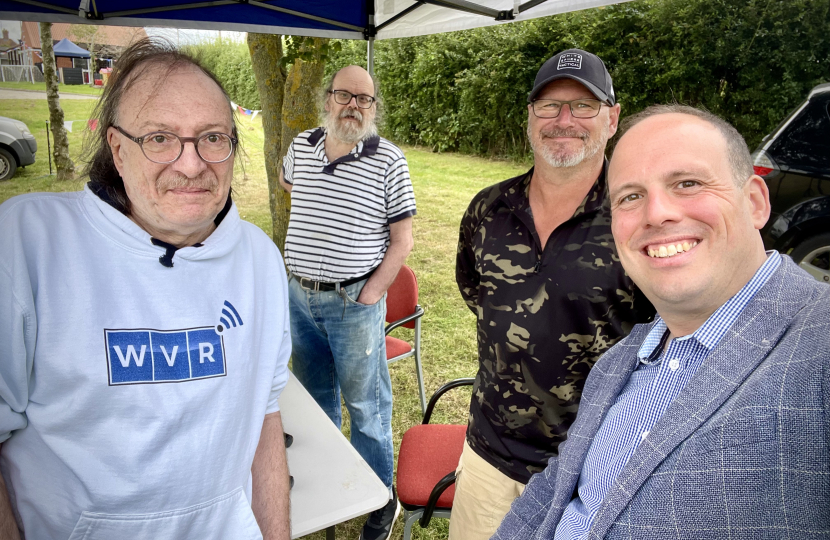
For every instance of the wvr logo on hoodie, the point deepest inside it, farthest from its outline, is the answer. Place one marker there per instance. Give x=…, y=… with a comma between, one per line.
x=147, y=355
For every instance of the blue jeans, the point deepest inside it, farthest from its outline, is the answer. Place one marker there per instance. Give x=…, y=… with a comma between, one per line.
x=339, y=346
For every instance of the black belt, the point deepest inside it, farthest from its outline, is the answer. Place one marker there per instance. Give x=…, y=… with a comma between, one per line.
x=311, y=285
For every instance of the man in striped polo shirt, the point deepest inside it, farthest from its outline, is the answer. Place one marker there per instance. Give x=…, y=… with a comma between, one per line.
x=349, y=232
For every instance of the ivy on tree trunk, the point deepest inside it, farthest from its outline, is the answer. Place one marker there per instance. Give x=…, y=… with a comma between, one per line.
x=289, y=106
x=60, y=150
x=302, y=90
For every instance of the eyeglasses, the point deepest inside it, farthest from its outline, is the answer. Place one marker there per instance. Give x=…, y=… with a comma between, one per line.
x=580, y=108
x=343, y=98
x=165, y=147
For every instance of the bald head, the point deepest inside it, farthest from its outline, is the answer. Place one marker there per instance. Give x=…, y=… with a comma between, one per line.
x=353, y=75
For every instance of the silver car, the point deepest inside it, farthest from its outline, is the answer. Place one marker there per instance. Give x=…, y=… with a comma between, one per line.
x=17, y=147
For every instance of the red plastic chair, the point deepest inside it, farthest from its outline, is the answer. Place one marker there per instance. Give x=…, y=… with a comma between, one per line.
x=427, y=461
x=402, y=309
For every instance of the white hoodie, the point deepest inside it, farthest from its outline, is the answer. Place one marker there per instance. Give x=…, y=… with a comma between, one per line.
x=132, y=395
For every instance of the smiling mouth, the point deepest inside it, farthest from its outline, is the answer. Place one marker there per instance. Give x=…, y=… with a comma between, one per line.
x=669, y=250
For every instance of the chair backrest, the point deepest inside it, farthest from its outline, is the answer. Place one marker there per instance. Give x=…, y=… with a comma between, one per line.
x=402, y=296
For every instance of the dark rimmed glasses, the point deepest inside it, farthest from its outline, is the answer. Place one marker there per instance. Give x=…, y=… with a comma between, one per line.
x=164, y=147
x=343, y=97
x=580, y=108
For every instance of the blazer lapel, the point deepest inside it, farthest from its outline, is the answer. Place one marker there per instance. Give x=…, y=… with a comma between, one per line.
x=601, y=389
x=753, y=335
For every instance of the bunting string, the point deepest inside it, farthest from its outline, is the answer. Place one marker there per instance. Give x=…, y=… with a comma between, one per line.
x=246, y=112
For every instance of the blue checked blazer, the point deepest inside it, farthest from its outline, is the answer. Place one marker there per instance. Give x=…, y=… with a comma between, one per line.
x=743, y=452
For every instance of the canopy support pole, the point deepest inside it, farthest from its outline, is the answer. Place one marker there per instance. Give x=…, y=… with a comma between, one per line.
x=59, y=9
x=370, y=57
x=369, y=33
x=403, y=13
x=469, y=7
x=530, y=4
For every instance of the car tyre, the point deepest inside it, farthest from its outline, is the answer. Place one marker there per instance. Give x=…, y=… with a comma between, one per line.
x=813, y=255
x=8, y=165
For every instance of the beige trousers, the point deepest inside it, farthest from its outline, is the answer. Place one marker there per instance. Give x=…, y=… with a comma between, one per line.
x=483, y=495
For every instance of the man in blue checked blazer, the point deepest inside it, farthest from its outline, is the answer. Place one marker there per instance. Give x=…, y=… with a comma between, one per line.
x=712, y=421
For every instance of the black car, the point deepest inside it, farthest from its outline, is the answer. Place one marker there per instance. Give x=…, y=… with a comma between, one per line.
x=17, y=147
x=795, y=162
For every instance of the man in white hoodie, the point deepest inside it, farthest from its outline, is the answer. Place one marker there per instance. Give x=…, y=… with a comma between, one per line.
x=145, y=333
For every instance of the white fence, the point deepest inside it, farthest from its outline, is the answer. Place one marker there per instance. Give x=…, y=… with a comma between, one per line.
x=20, y=74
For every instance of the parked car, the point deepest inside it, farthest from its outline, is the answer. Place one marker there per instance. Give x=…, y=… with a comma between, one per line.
x=794, y=160
x=17, y=147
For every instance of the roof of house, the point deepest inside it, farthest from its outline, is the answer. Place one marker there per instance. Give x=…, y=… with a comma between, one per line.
x=120, y=36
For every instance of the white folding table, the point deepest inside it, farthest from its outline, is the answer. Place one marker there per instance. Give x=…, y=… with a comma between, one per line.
x=332, y=483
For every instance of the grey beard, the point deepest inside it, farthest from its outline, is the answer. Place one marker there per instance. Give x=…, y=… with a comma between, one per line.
x=559, y=160
x=348, y=132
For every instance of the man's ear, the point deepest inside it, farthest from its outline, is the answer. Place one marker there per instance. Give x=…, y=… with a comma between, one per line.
x=613, y=119
x=757, y=194
x=114, y=139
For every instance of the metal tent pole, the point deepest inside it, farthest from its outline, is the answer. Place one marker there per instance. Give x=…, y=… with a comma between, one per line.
x=369, y=35
x=370, y=57
x=48, y=147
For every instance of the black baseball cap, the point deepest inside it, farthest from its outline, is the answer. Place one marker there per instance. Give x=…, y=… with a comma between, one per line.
x=580, y=66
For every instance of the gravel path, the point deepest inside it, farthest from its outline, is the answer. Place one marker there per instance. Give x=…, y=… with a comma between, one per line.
x=6, y=93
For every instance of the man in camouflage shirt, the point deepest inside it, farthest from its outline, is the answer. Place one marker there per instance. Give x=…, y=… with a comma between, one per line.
x=537, y=264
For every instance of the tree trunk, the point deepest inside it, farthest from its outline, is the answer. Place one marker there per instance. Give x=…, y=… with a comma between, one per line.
x=60, y=150
x=266, y=52
x=302, y=91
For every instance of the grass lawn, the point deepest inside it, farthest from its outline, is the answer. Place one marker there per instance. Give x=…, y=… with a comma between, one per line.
x=63, y=88
x=444, y=185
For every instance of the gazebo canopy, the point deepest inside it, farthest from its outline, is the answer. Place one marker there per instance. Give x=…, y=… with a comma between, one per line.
x=345, y=19
x=65, y=47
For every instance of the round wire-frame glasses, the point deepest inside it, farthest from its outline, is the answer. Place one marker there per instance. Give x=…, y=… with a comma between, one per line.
x=580, y=108
x=164, y=147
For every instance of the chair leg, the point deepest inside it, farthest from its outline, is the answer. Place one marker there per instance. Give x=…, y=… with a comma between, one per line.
x=409, y=519
x=418, y=369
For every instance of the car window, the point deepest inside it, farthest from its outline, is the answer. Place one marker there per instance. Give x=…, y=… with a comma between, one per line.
x=805, y=143
x=784, y=121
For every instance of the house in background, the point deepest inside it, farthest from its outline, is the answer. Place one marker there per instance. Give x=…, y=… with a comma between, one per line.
x=6, y=42
x=109, y=41
x=17, y=61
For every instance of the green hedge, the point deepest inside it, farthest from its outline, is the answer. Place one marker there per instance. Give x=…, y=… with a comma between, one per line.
x=750, y=61
x=231, y=63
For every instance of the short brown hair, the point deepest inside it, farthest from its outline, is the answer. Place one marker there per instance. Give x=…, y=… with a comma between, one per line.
x=132, y=64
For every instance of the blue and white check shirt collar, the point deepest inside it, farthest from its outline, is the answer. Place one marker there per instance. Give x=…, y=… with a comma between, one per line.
x=720, y=321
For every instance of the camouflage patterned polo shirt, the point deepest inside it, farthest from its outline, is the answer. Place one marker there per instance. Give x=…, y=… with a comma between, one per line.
x=544, y=318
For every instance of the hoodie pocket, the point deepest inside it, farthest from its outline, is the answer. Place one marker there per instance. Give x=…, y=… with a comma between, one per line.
x=228, y=517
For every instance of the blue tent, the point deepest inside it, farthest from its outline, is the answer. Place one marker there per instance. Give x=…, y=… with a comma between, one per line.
x=65, y=47
x=345, y=19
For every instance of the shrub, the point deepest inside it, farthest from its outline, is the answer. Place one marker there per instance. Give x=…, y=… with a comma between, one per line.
x=750, y=61
x=231, y=63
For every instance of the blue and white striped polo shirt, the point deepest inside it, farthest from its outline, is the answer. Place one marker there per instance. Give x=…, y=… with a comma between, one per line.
x=341, y=211
x=651, y=387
